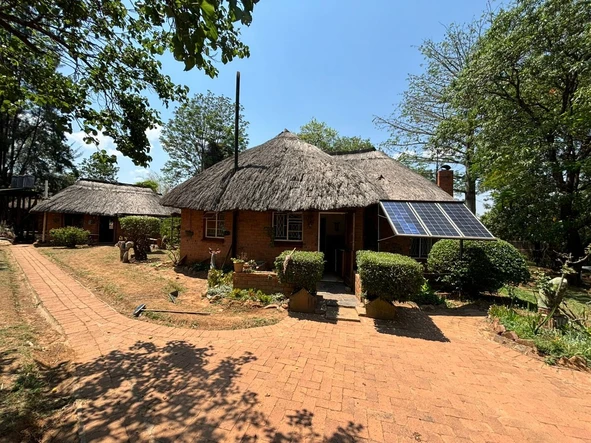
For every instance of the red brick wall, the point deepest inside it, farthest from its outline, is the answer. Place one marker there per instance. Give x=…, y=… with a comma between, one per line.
x=262, y=281
x=90, y=223
x=253, y=237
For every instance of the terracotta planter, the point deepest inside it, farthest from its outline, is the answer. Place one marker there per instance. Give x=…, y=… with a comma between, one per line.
x=238, y=267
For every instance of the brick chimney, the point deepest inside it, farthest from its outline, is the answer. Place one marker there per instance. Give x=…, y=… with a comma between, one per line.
x=445, y=179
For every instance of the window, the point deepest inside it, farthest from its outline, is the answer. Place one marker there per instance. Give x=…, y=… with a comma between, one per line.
x=288, y=226
x=76, y=220
x=214, y=225
x=420, y=247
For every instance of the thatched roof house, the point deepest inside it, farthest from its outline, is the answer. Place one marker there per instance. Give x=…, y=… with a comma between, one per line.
x=288, y=174
x=96, y=205
x=289, y=194
x=106, y=199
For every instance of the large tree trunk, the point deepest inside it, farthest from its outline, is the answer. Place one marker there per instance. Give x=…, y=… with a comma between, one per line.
x=470, y=191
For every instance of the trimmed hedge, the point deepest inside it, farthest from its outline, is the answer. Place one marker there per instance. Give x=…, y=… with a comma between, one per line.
x=484, y=267
x=69, y=236
x=304, y=269
x=139, y=229
x=389, y=276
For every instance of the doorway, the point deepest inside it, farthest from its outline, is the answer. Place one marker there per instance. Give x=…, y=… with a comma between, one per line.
x=332, y=241
x=106, y=230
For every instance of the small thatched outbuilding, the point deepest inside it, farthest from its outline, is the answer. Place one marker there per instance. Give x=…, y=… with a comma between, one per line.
x=289, y=194
x=97, y=206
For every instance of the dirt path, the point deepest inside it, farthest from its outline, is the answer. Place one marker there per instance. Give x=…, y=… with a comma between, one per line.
x=432, y=378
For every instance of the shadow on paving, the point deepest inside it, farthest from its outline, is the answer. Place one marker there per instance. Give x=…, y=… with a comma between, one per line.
x=411, y=322
x=181, y=391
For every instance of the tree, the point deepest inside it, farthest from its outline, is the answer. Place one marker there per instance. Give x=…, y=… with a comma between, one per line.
x=328, y=139
x=152, y=184
x=108, y=53
x=100, y=166
x=139, y=230
x=532, y=73
x=200, y=134
x=435, y=124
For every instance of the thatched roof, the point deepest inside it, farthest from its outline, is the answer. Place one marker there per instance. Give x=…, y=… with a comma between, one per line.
x=396, y=180
x=283, y=174
x=103, y=198
x=288, y=174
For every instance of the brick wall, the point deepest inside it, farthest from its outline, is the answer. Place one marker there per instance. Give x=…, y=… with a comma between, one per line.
x=266, y=282
x=445, y=180
x=253, y=237
x=90, y=223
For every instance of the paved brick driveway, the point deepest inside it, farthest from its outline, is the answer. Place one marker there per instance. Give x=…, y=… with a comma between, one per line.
x=304, y=379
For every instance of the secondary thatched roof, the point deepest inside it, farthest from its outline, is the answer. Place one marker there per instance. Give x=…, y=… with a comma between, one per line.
x=107, y=199
x=288, y=174
x=396, y=180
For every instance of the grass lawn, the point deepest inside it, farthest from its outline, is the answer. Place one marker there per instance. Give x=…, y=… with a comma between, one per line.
x=35, y=382
x=125, y=286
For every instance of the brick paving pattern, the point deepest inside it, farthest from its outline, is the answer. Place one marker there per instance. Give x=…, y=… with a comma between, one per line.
x=305, y=379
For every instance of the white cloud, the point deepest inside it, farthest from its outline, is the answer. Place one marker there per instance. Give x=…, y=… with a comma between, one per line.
x=107, y=143
x=154, y=134
x=138, y=174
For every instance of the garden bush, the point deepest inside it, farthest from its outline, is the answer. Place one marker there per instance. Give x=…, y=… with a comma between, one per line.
x=304, y=269
x=69, y=236
x=389, y=276
x=139, y=229
x=171, y=229
x=484, y=266
x=217, y=277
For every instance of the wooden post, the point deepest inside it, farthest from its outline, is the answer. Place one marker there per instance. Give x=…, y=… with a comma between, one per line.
x=44, y=227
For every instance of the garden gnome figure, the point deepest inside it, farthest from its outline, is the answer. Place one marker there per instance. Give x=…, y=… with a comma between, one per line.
x=213, y=253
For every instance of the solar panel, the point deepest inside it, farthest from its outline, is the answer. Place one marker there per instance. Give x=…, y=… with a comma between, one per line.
x=465, y=220
x=435, y=220
x=403, y=219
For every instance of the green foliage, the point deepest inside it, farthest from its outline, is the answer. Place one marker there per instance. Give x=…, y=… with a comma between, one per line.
x=100, y=166
x=171, y=229
x=217, y=277
x=328, y=139
x=108, y=54
x=555, y=343
x=69, y=236
x=532, y=73
x=427, y=296
x=304, y=269
x=139, y=229
x=484, y=266
x=256, y=295
x=152, y=184
x=389, y=276
x=200, y=134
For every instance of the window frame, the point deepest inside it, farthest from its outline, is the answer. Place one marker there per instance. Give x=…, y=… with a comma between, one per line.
x=430, y=242
x=287, y=231
x=218, y=218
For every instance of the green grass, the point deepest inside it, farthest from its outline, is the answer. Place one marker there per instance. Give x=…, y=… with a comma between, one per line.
x=554, y=343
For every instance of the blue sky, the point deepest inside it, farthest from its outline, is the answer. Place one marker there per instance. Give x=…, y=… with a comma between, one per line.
x=339, y=61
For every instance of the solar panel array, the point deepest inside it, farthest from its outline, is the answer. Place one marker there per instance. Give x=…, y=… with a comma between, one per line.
x=403, y=219
x=429, y=219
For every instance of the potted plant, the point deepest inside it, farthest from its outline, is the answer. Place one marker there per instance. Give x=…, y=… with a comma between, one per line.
x=250, y=266
x=238, y=264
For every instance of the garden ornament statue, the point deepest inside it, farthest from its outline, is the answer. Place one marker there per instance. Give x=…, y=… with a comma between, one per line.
x=213, y=253
x=552, y=293
x=124, y=247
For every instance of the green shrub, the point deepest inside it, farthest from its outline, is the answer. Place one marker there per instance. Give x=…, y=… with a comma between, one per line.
x=170, y=228
x=217, y=277
x=256, y=295
x=484, y=266
x=139, y=229
x=304, y=269
x=389, y=276
x=427, y=296
x=69, y=236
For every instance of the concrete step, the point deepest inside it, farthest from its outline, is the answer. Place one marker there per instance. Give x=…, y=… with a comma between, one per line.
x=341, y=313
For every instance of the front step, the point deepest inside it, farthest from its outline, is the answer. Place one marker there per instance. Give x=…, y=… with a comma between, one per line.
x=342, y=313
